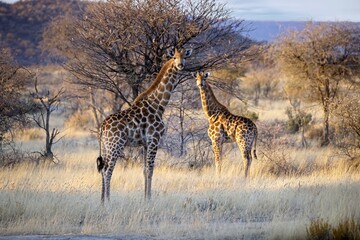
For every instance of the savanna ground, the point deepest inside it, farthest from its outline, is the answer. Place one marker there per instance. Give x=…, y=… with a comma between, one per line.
x=288, y=188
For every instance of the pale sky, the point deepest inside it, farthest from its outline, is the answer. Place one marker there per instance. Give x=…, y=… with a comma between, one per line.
x=291, y=10
x=296, y=10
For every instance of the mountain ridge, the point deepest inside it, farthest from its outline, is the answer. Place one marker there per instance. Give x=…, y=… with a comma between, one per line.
x=22, y=24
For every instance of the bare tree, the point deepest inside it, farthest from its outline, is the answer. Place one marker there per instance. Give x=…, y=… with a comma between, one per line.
x=47, y=105
x=120, y=45
x=317, y=60
x=181, y=122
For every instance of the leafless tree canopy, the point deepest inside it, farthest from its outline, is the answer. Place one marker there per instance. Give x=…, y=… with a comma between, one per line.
x=318, y=59
x=120, y=45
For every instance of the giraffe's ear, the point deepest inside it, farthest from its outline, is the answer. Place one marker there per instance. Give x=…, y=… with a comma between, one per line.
x=171, y=52
x=187, y=53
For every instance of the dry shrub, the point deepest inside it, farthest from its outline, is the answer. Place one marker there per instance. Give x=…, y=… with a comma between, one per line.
x=321, y=230
x=82, y=120
x=347, y=229
x=318, y=230
x=13, y=157
x=273, y=133
x=276, y=158
x=275, y=161
x=352, y=165
x=30, y=134
x=314, y=132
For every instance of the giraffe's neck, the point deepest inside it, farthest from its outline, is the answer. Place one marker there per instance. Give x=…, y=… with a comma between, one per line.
x=159, y=93
x=210, y=104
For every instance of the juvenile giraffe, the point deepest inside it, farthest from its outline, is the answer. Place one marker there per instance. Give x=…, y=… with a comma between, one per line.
x=139, y=125
x=226, y=127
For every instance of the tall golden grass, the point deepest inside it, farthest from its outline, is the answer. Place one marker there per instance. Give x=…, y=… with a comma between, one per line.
x=64, y=198
x=285, y=193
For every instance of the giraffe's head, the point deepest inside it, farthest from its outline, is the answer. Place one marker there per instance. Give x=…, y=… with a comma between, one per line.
x=201, y=78
x=179, y=57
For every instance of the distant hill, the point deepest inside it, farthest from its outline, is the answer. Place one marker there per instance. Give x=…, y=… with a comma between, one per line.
x=22, y=24
x=269, y=30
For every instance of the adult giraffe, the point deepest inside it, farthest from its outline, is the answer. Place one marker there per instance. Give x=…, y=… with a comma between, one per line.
x=139, y=125
x=225, y=126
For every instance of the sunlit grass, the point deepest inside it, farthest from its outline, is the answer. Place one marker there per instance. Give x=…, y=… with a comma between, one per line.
x=282, y=196
x=65, y=198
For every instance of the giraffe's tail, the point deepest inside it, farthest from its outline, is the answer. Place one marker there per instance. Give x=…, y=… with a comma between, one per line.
x=100, y=163
x=254, y=148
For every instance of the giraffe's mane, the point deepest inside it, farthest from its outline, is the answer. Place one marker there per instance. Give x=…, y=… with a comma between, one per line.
x=156, y=82
x=214, y=98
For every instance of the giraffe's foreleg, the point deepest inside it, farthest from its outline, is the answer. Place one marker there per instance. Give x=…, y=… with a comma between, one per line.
x=150, y=154
x=217, y=147
x=245, y=150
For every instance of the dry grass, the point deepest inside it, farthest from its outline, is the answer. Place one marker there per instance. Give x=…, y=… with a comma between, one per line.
x=288, y=188
x=65, y=198
x=80, y=121
x=30, y=134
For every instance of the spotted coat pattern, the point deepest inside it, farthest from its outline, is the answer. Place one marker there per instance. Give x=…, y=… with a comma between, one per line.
x=139, y=125
x=225, y=126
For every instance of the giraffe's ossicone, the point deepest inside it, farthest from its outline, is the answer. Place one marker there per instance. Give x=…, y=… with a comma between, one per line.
x=139, y=125
x=225, y=126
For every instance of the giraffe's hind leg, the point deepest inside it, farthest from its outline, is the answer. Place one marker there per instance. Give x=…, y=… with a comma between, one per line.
x=103, y=187
x=247, y=161
x=106, y=178
x=110, y=161
x=246, y=156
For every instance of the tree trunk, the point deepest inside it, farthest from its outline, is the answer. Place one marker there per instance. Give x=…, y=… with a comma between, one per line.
x=135, y=90
x=326, y=108
x=118, y=102
x=257, y=93
x=182, y=131
x=93, y=108
x=326, y=133
x=47, y=130
x=182, y=122
x=1, y=143
x=303, y=139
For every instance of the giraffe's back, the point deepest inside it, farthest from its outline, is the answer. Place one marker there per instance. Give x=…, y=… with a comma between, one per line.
x=235, y=126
